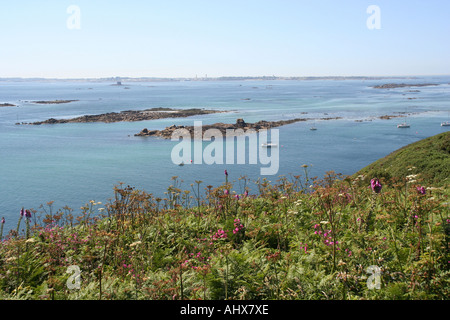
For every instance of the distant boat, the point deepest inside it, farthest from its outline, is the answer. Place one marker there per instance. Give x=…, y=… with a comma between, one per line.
x=269, y=145
x=446, y=123
x=313, y=127
x=403, y=125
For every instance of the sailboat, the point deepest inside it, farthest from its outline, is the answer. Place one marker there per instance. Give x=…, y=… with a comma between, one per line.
x=446, y=123
x=268, y=145
x=403, y=125
x=313, y=127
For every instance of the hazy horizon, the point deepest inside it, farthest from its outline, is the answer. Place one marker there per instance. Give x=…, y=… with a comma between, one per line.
x=237, y=77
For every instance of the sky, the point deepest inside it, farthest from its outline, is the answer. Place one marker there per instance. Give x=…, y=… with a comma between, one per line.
x=215, y=38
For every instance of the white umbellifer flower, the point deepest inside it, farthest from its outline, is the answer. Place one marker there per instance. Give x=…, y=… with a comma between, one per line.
x=135, y=243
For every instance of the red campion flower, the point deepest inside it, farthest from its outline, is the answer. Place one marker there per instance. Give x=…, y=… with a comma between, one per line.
x=375, y=185
x=421, y=190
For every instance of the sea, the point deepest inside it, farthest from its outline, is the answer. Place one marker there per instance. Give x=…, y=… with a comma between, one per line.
x=74, y=163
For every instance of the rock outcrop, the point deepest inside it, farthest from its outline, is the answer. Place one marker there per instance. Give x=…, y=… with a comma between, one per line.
x=222, y=127
x=130, y=115
x=402, y=85
x=53, y=101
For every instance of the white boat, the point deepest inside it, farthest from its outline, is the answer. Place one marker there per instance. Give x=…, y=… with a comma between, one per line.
x=313, y=128
x=445, y=124
x=403, y=125
x=268, y=145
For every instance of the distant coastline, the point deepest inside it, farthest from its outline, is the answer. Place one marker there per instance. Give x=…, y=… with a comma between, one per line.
x=123, y=80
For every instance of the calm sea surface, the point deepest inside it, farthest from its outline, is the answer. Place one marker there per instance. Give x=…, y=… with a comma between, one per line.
x=74, y=163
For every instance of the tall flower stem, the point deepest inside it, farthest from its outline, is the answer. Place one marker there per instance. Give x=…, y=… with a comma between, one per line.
x=1, y=228
x=18, y=223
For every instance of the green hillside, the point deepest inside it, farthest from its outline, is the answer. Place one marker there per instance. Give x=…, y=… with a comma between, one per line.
x=302, y=239
x=430, y=157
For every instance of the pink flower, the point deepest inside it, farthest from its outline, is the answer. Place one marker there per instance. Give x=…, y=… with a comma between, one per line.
x=226, y=173
x=421, y=190
x=226, y=192
x=375, y=185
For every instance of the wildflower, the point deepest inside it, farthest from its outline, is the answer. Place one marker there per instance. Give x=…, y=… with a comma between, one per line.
x=226, y=173
x=421, y=190
x=246, y=193
x=135, y=243
x=22, y=212
x=27, y=214
x=237, y=197
x=3, y=220
x=375, y=185
x=238, y=226
x=226, y=192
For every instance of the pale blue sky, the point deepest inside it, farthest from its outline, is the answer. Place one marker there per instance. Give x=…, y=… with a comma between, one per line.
x=174, y=38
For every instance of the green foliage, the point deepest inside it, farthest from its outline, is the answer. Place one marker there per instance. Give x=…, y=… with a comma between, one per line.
x=288, y=242
x=430, y=157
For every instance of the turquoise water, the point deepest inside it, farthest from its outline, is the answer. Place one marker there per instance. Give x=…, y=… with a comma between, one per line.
x=74, y=163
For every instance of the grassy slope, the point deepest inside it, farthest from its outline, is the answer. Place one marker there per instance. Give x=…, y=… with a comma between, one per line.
x=282, y=244
x=430, y=157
